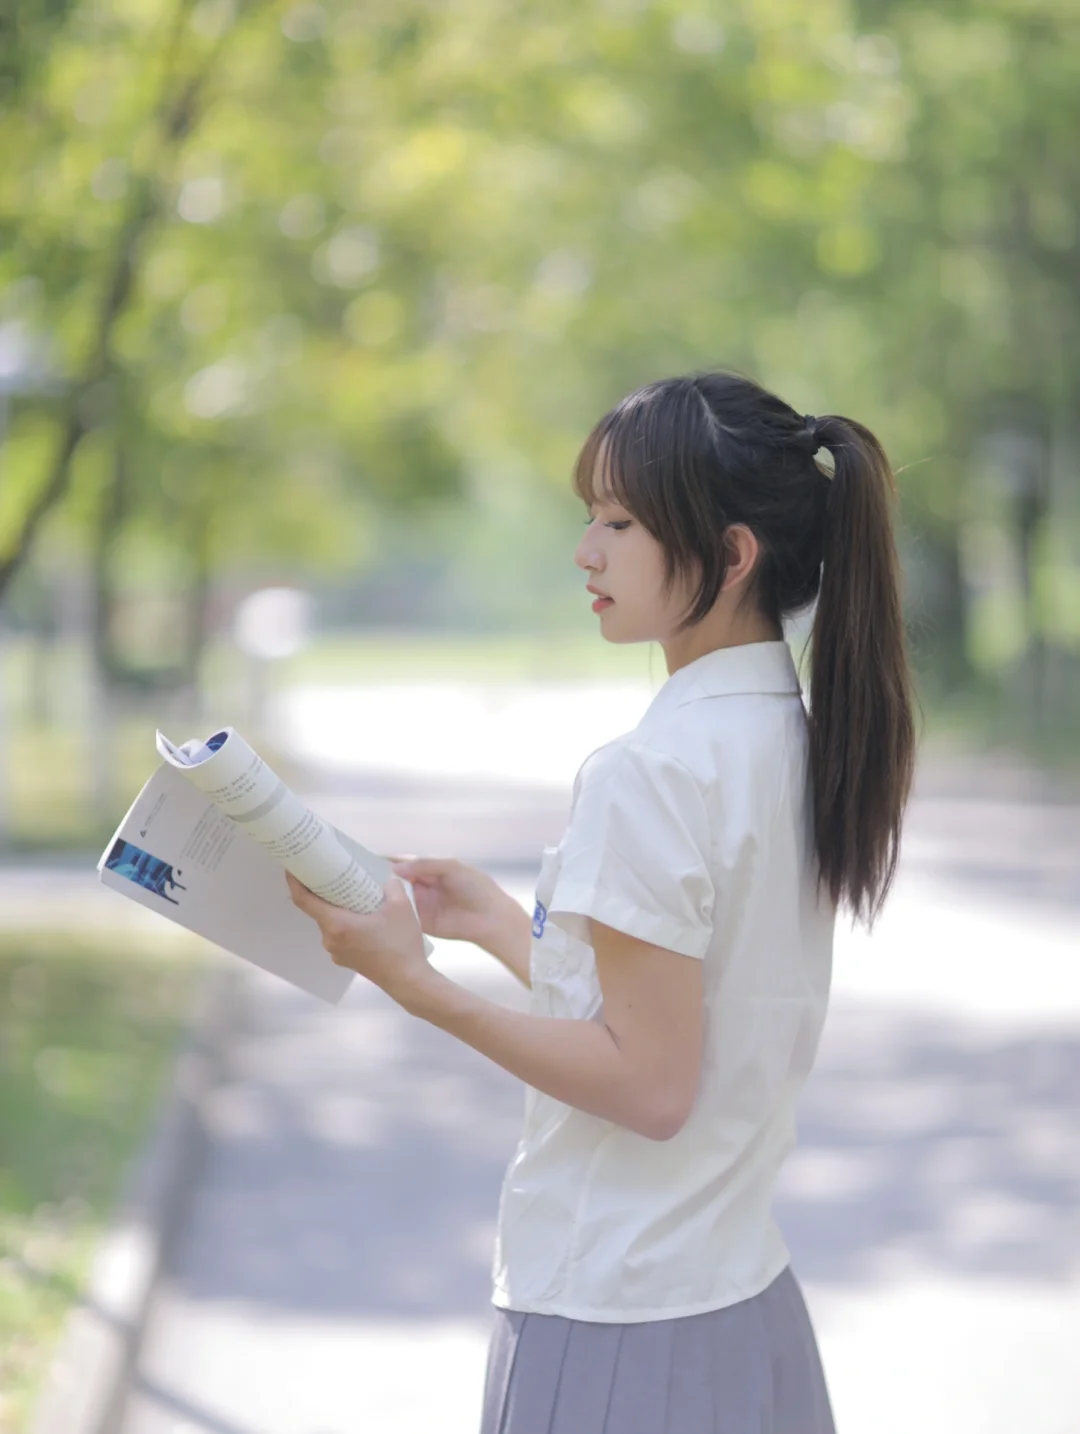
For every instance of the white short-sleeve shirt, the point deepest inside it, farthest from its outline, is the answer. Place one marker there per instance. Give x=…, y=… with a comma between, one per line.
x=694, y=832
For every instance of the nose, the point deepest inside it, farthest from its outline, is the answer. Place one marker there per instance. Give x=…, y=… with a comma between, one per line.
x=586, y=556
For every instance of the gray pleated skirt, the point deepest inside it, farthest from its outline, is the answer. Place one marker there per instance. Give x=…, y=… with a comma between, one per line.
x=749, y=1368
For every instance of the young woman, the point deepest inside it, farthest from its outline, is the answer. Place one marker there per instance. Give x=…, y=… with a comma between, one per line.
x=679, y=953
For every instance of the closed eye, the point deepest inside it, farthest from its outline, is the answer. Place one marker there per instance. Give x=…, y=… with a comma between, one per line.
x=617, y=526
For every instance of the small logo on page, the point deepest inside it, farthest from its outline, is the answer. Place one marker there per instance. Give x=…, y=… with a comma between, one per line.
x=539, y=918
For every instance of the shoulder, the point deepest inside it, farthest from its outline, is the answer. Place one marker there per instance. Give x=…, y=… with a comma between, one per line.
x=632, y=784
x=715, y=750
x=636, y=756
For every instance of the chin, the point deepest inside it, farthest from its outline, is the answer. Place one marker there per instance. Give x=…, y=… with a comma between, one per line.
x=613, y=634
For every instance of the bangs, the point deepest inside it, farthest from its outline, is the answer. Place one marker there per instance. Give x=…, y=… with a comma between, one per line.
x=638, y=450
x=598, y=449
x=627, y=458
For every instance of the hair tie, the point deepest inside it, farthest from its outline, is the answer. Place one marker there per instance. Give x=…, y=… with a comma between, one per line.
x=812, y=424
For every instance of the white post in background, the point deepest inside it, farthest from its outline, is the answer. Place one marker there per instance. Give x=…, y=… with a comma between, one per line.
x=269, y=624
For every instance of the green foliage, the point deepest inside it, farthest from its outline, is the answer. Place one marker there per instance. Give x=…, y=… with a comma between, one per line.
x=313, y=267
x=85, y=1038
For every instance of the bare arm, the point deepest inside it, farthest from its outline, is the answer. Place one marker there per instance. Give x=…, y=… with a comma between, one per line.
x=639, y=1067
x=510, y=940
x=576, y=1062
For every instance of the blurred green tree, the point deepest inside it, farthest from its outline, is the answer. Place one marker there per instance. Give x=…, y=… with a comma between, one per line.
x=304, y=266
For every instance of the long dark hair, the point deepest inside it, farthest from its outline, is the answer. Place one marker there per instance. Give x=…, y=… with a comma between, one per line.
x=688, y=457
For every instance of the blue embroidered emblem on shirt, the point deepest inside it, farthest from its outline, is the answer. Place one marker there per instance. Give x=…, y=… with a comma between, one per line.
x=539, y=918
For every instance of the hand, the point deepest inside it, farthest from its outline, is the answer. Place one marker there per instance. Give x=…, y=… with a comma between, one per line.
x=386, y=946
x=454, y=901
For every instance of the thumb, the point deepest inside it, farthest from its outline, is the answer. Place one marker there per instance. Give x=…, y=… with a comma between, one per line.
x=303, y=897
x=394, y=890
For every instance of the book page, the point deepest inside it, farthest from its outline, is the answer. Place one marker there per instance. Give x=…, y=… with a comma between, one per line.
x=241, y=786
x=175, y=854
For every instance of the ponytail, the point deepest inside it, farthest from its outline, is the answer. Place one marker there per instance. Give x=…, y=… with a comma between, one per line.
x=862, y=738
x=693, y=455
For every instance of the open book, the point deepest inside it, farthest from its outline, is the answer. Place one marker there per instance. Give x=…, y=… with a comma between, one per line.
x=206, y=844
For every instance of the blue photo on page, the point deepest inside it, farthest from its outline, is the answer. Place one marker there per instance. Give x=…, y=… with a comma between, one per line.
x=539, y=918
x=144, y=870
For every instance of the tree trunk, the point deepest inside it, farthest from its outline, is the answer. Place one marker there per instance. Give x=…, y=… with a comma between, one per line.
x=176, y=112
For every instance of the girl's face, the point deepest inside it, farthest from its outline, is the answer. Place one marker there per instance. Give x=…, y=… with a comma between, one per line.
x=625, y=562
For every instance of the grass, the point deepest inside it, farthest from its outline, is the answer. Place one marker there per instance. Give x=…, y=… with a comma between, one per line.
x=87, y=1033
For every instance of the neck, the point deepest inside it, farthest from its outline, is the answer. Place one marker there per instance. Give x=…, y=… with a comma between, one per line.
x=709, y=636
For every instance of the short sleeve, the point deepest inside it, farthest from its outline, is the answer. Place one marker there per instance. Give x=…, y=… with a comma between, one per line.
x=636, y=854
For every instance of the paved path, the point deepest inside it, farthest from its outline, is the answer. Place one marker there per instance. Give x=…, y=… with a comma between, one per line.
x=333, y=1275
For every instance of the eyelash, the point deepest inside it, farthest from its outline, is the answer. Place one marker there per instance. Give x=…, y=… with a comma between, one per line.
x=617, y=526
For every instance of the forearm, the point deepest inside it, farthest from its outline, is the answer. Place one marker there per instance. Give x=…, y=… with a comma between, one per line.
x=510, y=940
x=577, y=1062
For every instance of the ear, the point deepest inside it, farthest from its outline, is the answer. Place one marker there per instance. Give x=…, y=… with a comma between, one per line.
x=743, y=550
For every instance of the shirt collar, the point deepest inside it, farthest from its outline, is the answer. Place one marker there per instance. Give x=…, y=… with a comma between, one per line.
x=728, y=671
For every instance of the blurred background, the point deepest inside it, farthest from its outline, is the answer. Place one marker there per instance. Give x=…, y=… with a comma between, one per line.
x=305, y=310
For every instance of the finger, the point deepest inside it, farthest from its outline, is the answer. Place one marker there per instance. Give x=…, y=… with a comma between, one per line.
x=297, y=889
x=428, y=866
